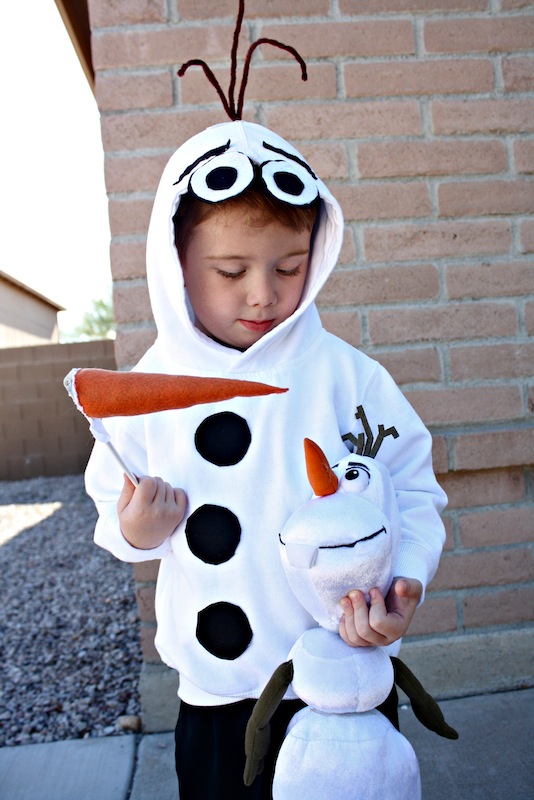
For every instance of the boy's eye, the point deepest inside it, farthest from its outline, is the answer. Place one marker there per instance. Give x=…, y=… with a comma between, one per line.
x=289, y=272
x=230, y=275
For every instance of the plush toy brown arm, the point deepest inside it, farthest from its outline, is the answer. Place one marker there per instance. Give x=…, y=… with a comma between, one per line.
x=424, y=706
x=258, y=732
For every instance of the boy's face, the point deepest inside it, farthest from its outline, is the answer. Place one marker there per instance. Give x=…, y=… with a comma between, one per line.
x=244, y=279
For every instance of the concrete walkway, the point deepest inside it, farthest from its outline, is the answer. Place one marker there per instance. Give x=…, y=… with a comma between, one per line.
x=494, y=758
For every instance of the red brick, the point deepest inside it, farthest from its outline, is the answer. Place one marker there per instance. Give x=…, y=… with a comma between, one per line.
x=482, y=116
x=134, y=90
x=145, y=596
x=436, y=240
x=483, y=568
x=491, y=361
x=166, y=129
x=361, y=38
x=345, y=324
x=146, y=571
x=150, y=654
x=267, y=82
x=410, y=6
x=152, y=47
x=507, y=448
x=132, y=344
x=485, y=487
x=464, y=405
x=129, y=216
x=138, y=173
x=131, y=302
x=442, y=323
x=128, y=260
x=348, y=248
x=373, y=118
x=424, y=158
x=508, y=606
x=105, y=13
x=483, y=35
x=489, y=280
x=475, y=198
x=369, y=201
x=518, y=74
x=524, y=155
x=328, y=160
x=383, y=79
x=498, y=526
x=529, y=318
x=526, y=231
x=212, y=9
x=449, y=534
x=413, y=365
x=440, y=455
x=436, y=615
x=380, y=285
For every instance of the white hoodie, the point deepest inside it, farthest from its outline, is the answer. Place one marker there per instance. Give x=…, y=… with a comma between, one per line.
x=226, y=615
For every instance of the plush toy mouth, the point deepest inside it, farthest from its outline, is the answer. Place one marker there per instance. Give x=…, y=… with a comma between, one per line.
x=356, y=541
x=305, y=555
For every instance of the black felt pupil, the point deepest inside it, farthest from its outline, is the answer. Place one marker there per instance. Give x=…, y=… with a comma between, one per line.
x=288, y=183
x=221, y=178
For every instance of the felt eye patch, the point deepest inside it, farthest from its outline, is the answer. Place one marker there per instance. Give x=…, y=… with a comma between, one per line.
x=231, y=173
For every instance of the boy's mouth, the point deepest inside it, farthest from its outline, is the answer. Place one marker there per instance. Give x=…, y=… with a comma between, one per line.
x=261, y=326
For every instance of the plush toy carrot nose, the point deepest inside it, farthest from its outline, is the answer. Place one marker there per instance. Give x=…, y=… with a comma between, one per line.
x=100, y=393
x=320, y=475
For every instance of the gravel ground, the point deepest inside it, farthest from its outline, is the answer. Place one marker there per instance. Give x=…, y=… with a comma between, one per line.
x=69, y=633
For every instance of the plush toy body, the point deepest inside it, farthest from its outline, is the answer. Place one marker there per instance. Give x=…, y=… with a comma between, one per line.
x=339, y=746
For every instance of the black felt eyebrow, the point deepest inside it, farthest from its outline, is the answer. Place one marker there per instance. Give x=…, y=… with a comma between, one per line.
x=292, y=157
x=217, y=151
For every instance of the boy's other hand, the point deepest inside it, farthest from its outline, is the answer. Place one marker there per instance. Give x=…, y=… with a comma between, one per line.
x=385, y=620
x=150, y=512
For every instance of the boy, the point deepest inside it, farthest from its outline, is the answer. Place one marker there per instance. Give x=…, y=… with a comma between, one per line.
x=243, y=236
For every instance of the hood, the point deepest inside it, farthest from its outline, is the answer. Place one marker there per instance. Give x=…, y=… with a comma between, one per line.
x=179, y=343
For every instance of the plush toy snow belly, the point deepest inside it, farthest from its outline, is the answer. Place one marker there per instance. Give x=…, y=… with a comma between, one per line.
x=339, y=746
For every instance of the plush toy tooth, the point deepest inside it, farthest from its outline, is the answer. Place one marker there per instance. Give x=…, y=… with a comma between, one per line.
x=100, y=393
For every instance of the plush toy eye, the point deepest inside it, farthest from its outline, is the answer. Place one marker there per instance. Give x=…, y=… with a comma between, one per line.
x=290, y=182
x=356, y=478
x=222, y=177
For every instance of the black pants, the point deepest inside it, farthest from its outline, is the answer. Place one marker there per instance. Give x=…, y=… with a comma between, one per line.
x=210, y=749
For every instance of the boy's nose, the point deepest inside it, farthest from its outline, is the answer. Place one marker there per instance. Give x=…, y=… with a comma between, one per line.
x=262, y=292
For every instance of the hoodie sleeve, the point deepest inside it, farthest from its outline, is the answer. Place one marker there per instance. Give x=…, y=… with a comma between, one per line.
x=409, y=460
x=104, y=481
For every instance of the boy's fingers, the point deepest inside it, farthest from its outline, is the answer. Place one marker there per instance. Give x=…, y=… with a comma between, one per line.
x=408, y=588
x=126, y=494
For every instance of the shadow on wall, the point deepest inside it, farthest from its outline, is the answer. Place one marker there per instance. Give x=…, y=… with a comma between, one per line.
x=41, y=432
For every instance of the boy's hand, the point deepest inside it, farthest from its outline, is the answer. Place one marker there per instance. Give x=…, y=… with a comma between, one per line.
x=150, y=512
x=385, y=620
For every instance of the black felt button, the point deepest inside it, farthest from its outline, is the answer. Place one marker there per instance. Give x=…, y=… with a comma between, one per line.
x=223, y=439
x=213, y=533
x=224, y=630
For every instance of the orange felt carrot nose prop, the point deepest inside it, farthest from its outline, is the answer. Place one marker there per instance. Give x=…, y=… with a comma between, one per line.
x=322, y=478
x=99, y=393
x=104, y=393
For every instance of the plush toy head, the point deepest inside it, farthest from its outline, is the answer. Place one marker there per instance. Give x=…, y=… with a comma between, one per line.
x=345, y=537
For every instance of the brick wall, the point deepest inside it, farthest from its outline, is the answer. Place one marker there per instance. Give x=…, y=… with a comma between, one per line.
x=41, y=432
x=420, y=116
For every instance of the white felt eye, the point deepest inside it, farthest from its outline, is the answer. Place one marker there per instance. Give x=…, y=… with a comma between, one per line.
x=222, y=177
x=289, y=182
x=356, y=479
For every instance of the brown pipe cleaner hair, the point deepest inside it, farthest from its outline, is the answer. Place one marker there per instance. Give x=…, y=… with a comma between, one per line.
x=233, y=111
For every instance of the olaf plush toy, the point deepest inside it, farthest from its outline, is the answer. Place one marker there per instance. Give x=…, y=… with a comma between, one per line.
x=339, y=745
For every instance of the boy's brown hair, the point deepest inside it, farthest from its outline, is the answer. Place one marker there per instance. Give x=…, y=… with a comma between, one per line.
x=259, y=206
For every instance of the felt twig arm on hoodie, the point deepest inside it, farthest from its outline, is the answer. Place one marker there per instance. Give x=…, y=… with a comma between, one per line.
x=104, y=393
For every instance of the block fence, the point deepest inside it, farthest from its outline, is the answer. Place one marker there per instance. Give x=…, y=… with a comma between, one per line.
x=420, y=116
x=41, y=432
